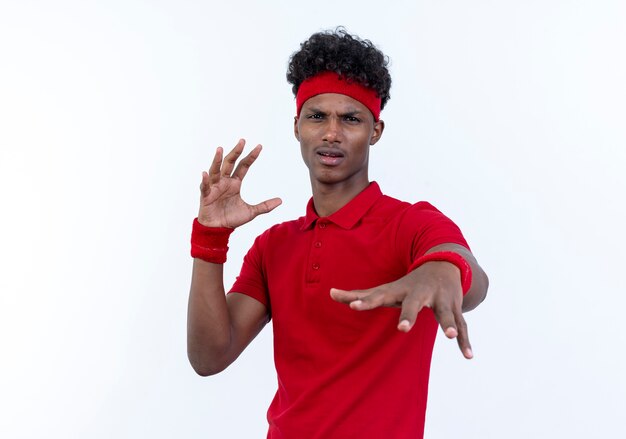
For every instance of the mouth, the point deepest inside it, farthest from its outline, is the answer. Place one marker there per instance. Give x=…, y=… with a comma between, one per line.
x=330, y=154
x=330, y=157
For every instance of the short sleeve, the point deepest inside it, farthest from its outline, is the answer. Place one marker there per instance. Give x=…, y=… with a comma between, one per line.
x=422, y=227
x=251, y=280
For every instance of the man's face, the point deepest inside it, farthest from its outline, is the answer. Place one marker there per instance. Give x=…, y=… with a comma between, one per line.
x=335, y=132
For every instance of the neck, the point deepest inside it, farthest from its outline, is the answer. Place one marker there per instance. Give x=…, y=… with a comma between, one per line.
x=329, y=198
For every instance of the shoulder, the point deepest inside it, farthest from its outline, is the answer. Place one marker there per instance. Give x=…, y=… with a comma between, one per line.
x=388, y=207
x=427, y=227
x=424, y=210
x=403, y=210
x=410, y=218
x=425, y=215
x=419, y=217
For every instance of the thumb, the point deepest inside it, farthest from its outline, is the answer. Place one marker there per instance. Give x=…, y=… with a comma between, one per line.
x=266, y=206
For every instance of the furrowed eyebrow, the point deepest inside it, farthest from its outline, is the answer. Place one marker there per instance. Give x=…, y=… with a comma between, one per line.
x=348, y=113
x=351, y=113
x=313, y=110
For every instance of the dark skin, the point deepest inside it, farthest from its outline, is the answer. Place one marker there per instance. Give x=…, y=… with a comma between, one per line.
x=219, y=327
x=335, y=122
x=335, y=133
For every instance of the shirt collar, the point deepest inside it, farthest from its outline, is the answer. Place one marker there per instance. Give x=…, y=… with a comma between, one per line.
x=348, y=215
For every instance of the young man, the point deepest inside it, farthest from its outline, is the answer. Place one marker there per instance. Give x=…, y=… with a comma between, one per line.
x=355, y=288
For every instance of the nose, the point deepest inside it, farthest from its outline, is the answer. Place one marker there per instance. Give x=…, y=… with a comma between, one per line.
x=332, y=131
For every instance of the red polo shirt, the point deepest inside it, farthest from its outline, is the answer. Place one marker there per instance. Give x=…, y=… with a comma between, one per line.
x=345, y=373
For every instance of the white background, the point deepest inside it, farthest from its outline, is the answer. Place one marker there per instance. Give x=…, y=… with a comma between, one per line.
x=507, y=115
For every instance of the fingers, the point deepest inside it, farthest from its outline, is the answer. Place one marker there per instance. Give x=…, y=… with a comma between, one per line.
x=231, y=158
x=218, y=169
x=445, y=317
x=223, y=166
x=411, y=307
x=463, y=336
x=344, y=296
x=453, y=325
x=363, y=300
x=266, y=206
x=214, y=170
x=204, y=185
x=245, y=163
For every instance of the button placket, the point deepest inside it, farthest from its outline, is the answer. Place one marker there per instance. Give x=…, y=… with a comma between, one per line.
x=315, y=253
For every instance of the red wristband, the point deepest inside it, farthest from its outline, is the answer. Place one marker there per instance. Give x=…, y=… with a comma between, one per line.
x=209, y=243
x=453, y=258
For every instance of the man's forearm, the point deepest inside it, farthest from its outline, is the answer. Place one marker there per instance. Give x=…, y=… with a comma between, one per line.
x=208, y=320
x=480, y=283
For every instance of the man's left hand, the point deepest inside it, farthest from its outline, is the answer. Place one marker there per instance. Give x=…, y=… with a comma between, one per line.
x=435, y=284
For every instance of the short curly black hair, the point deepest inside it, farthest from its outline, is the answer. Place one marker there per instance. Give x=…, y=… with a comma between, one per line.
x=348, y=55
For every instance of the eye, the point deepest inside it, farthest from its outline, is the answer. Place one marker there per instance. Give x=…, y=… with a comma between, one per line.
x=352, y=119
x=316, y=116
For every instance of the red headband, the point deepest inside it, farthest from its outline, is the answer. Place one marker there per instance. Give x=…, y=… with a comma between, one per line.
x=331, y=82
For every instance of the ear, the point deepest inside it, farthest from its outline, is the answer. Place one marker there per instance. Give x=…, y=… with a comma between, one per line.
x=296, y=132
x=379, y=127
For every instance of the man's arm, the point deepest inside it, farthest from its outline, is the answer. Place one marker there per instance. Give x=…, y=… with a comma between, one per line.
x=219, y=327
x=480, y=282
x=436, y=285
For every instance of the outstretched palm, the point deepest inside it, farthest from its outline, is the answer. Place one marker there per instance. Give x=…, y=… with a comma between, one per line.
x=220, y=191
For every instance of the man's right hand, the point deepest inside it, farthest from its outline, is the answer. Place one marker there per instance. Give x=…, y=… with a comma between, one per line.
x=220, y=198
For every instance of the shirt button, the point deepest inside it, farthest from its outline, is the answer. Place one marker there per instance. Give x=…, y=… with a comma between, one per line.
x=322, y=225
x=318, y=244
x=316, y=266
